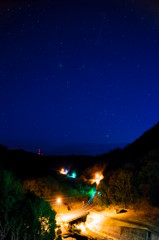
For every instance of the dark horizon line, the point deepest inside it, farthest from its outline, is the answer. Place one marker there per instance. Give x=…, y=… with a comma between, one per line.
x=72, y=149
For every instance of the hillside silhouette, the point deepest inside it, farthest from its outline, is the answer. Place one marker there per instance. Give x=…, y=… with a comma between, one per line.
x=137, y=153
x=140, y=152
x=149, y=141
x=135, y=170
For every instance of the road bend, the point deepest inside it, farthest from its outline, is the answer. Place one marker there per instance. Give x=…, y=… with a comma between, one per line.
x=73, y=215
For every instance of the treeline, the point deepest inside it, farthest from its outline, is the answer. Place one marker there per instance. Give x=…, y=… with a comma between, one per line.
x=132, y=174
x=26, y=164
x=47, y=187
x=126, y=186
x=23, y=215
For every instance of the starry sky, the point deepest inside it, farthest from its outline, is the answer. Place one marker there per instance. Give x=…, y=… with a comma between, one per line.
x=76, y=75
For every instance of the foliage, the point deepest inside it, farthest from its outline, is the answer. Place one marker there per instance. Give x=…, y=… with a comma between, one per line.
x=38, y=217
x=23, y=215
x=149, y=181
x=43, y=187
x=117, y=188
x=47, y=186
x=120, y=187
x=101, y=197
x=10, y=206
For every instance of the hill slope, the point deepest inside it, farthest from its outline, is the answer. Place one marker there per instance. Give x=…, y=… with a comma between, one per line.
x=144, y=144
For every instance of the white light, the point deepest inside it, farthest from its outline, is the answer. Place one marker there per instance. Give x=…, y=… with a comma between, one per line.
x=58, y=200
x=81, y=226
x=63, y=171
x=98, y=178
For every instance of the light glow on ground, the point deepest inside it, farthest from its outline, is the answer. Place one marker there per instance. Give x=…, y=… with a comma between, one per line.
x=81, y=227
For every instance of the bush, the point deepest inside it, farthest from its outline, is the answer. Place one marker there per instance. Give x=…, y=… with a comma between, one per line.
x=23, y=215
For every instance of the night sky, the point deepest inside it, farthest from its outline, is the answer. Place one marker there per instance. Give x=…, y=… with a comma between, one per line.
x=77, y=76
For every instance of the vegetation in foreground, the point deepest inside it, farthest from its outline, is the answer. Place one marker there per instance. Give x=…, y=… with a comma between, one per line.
x=23, y=215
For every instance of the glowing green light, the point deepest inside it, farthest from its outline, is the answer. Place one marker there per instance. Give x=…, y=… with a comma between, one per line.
x=73, y=175
x=92, y=192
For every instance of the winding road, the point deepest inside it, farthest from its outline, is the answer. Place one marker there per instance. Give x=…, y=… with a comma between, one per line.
x=78, y=213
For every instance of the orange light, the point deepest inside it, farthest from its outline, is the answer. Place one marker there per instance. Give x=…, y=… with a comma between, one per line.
x=98, y=178
x=58, y=200
x=63, y=171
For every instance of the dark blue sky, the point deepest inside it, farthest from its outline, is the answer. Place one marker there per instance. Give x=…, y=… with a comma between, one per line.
x=77, y=74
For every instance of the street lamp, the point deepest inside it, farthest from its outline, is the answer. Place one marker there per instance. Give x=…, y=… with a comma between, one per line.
x=59, y=200
x=98, y=178
x=63, y=171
